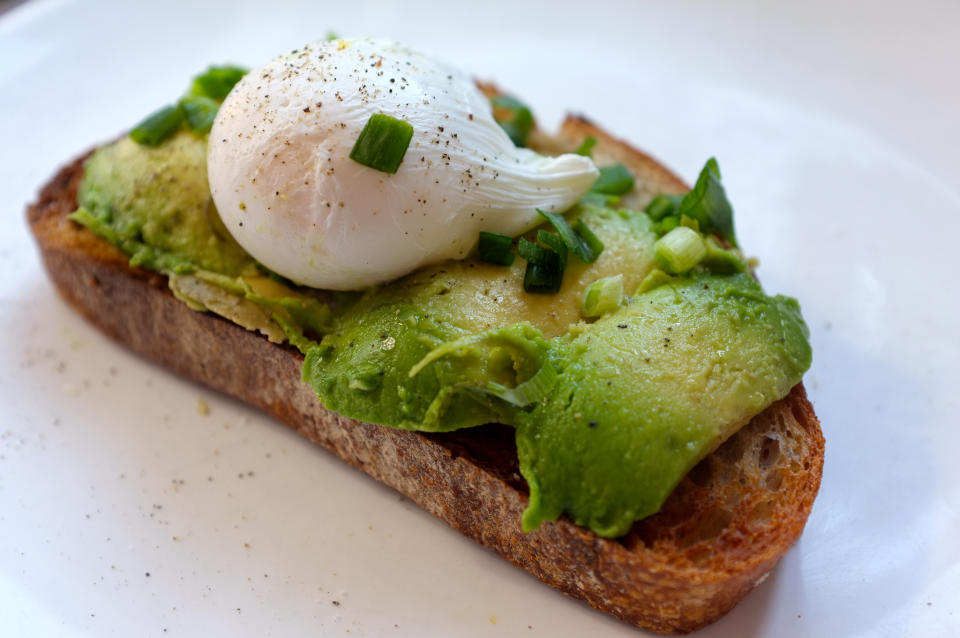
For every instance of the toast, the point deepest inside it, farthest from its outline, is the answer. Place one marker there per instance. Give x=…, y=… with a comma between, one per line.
x=718, y=535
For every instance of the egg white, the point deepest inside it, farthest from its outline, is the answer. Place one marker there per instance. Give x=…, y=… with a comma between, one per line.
x=284, y=185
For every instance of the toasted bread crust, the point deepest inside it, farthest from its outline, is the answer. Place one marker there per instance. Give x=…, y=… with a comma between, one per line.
x=720, y=532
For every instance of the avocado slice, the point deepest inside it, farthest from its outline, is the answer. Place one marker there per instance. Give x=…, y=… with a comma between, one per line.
x=609, y=414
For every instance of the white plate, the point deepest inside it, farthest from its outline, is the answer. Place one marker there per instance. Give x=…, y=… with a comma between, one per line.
x=125, y=510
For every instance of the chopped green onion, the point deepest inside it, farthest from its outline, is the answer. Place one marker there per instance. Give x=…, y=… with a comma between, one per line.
x=654, y=279
x=331, y=36
x=543, y=273
x=495, y=249
x=583, y=247
x=587, y=146
x=592, y=241
x=708, y=204
x=531, y=251
x=665, y=225
x=530, y=391
x=553, y=241
x=603, y=296
x=519, y=119
x=721, y=261
x=382, y=143
x=613, y=180
x=200, y=112
x=680, y=250
x=158, y=126
x=217, y=81
x=544, y=277
x=662, y=205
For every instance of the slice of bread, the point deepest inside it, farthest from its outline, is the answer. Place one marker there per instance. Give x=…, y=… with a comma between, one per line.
x=718, y=535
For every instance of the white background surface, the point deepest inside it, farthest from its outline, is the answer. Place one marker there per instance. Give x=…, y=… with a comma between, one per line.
x=125, y=511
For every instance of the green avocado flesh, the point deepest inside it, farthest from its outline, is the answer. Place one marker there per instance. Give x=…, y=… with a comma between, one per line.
x=155, y=204
x=609, y=415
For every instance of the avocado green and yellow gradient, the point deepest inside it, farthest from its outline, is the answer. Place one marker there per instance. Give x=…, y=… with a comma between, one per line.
x=609, y=414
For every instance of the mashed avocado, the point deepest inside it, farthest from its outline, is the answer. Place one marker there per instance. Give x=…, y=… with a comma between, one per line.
x=609, y=415
x=155, y=203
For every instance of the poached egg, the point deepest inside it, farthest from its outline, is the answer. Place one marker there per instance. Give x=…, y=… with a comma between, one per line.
x=284, y=184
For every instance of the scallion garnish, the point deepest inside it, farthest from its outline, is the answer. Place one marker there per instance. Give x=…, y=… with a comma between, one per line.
x=544, y=277
x=592, y=241
x=198, y=107
x=158, y=126
x=200, y=111
x=382, y=143
x=553, y=241
x=613, y=180
x=531, y=251
x=665, y=225
x=708, y=204
x=586, y=248
x=217, y=81
x=680, y=250
x=662, y=205
x=603, y=296
x=514, y=117
x=543, y=273
x=586, y=147
x=495, y=249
